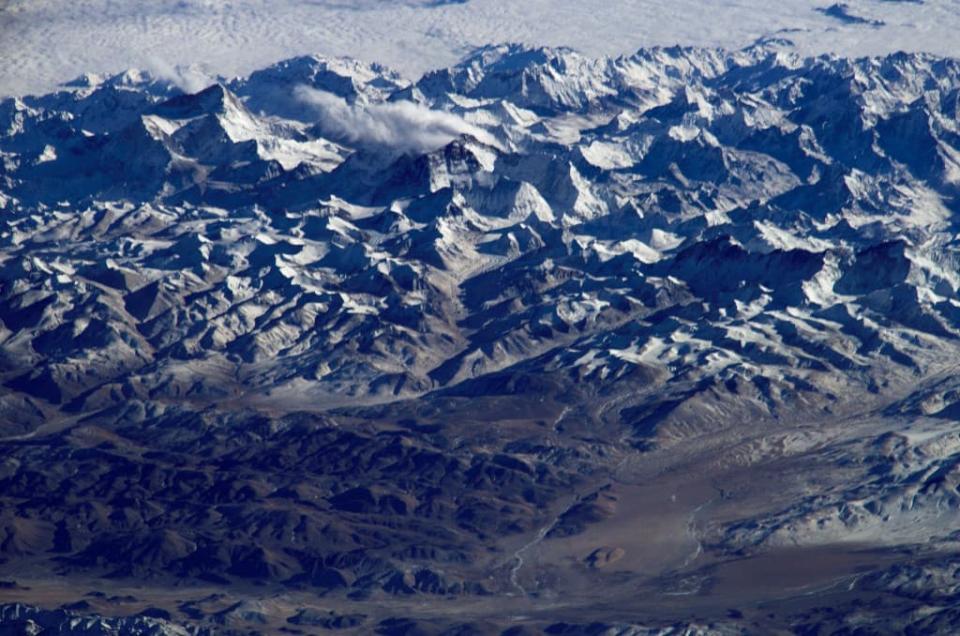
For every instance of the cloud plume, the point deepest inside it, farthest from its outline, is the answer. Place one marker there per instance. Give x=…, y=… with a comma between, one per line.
x=189, y=79
x=404, y=127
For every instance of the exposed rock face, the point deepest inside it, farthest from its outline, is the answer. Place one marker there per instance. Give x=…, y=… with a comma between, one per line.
x=324, y=330
x=746, y=218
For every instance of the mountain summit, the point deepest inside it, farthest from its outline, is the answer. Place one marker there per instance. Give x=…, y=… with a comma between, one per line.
x=266, y=321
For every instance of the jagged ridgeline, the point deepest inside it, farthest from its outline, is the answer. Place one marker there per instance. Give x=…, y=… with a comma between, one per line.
x=747, y=223
x=332, y=329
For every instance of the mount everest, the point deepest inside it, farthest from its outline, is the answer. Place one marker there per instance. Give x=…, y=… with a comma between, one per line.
x=324, y=327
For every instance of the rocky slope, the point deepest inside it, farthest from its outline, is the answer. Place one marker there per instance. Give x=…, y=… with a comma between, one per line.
x=326, y=328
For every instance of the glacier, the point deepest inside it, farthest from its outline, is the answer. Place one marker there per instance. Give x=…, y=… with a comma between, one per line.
x=540, y=338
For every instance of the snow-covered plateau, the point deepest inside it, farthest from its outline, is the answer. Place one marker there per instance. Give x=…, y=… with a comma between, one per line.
x=652, y=344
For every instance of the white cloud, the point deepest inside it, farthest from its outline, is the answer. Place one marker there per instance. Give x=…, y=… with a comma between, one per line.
x=190, y=79
x=405, y=127
x=240, y=36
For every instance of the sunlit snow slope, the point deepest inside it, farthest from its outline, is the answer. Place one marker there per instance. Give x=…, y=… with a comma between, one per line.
x=692, y=313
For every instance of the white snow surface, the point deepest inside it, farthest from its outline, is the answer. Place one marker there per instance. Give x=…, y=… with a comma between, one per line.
x=46, y=42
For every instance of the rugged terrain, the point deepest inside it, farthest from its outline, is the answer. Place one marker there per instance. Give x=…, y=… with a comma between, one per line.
x=650, y=344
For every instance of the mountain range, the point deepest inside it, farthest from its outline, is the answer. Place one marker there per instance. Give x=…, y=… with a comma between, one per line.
x=681, y=326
